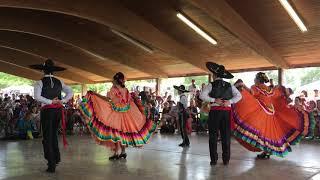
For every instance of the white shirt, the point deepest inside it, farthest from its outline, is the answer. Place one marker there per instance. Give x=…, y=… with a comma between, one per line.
x=193, y=90
x=38, y=90
x=184, y=100
x=205, y=95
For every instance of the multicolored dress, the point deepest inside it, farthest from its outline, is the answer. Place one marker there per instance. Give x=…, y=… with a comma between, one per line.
x=264, y=121
x=118, y=119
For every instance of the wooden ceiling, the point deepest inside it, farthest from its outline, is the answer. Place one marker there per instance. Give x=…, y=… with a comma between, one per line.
x=251, y=35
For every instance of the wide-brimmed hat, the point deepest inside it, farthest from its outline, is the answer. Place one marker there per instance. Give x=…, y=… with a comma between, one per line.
x=181, y=88
x=47, y=66
x=219, y=70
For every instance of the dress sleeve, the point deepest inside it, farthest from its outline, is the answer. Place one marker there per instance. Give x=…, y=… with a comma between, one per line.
x=254, y=91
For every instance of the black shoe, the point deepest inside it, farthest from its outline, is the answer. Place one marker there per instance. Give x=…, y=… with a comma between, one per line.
x=123, y=155
x=226, y=163
x=51, y=169
x=182, y=145
x=213, y=163
x=114, y=157
x=263, y=156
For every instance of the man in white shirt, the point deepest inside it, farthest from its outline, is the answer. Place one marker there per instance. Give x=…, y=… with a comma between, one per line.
x=192, y=89
x=48, y=92
x=183, y=116
x=221, y=95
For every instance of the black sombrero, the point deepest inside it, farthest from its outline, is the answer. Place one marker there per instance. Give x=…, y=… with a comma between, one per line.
x=181, y=88
x=219, y=70
x=47, y=66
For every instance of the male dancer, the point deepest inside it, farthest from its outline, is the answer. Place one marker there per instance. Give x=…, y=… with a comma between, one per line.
x=48, y=92
x=221, y=95
x=183, y=116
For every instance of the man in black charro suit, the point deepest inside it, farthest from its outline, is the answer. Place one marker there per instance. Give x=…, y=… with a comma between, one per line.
x=221, y=95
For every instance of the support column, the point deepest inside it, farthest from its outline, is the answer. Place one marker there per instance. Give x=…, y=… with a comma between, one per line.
x=209, y=78
x=158, y=82
x=280, y=76
x=84, y=89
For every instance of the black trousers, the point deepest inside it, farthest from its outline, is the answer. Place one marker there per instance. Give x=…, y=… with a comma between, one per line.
x=219, y=120
x=50, y=119
x=183, y=128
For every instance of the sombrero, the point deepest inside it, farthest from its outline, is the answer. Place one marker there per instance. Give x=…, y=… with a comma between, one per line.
x=181, y=88
x=47, y=66
x=219, y=70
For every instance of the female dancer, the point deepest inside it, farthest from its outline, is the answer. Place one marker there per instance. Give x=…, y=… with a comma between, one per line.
x=117, y=121
x=265, y=122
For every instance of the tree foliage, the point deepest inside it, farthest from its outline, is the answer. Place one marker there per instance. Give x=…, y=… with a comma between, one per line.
x=310, y=76
x=198, y=80
x=7, y=80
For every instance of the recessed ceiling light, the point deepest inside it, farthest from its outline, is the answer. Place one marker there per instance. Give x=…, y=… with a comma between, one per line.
x=293, y=15
x=196, y=28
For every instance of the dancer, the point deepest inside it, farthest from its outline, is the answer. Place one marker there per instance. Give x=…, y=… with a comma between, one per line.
x=264, y=121
x=183, y=115
x=48, y=92
x=221, y=95
x=117, y=121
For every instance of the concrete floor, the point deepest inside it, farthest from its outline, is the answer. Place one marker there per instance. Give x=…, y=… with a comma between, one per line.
x=161, y=159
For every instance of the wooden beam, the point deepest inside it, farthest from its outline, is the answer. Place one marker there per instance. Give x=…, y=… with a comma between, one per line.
x=224, y=14
x=24, y=59
x=54, y=49
x=253, y=69
x=114, y=15
x=23, y=72
x=91, y=38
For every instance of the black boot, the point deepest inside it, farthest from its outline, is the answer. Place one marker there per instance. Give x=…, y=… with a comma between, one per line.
x=263, y=155
x=114, y=157
x=51, y=169
x=123, y=155
x=213, y=163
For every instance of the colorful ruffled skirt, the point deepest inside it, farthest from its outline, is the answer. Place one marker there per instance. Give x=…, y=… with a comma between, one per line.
x=259, y=130
x=111, y=124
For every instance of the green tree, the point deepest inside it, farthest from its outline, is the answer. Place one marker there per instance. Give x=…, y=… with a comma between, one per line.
x=199, y=80
x=76, y=89
x=310, y=76
x=7, y=80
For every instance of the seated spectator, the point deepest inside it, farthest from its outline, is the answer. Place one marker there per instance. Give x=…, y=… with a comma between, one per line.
x=26, y=129
x=35, y=118
x=166, y=108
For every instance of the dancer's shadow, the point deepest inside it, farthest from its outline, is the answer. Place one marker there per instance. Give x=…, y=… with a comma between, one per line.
x=182, y=164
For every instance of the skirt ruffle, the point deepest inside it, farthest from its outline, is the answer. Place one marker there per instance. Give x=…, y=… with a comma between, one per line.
x=259, y=130
x=125, y=131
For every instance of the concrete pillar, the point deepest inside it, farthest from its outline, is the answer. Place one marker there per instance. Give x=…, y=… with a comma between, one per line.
x=84, y=89
x=280, y=76
x=210, y=78
x=158, y=83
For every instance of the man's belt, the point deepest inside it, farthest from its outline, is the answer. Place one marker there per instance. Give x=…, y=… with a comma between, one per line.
x=63, y=121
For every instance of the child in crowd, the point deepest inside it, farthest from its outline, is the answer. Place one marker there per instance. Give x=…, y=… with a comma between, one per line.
x=26, y=128
x=312, y=111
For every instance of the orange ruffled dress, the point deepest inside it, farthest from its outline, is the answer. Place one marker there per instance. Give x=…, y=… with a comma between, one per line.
x=264, y=121
x=119, y=119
